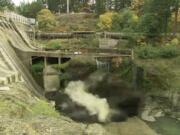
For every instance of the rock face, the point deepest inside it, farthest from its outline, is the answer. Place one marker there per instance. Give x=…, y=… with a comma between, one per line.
x=96, y=129
x=151, y=110
x=174, y=97
x=133, y=126
x=40, y=126
x=159, y=105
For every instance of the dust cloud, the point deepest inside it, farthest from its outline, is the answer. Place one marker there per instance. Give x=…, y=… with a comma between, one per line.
x=95, y=105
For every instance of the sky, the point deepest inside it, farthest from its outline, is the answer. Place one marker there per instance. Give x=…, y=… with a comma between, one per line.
x=17, y=2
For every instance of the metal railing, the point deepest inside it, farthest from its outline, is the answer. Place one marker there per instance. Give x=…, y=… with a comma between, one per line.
x=17, y=18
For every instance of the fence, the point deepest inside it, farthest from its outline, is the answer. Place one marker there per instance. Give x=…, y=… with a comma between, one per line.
x=19, y=18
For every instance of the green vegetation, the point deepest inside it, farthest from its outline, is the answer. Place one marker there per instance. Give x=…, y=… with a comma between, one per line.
x=6, y=5
x=30, y=9
x=38, y=67
x=159, y=74
x=150, y=18
x=76, y=22
x=150, y=52
x=21, y=104
x=53, y=44
x=43, y=108
x=46, y=20
x=126, y=21
x=106, y=21
x=100, y=6
x=60, y=6
x=89, y=42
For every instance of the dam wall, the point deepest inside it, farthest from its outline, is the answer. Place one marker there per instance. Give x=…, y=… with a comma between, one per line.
x=15, y=43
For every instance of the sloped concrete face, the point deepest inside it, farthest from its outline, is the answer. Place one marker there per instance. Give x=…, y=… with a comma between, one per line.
x=51, y=79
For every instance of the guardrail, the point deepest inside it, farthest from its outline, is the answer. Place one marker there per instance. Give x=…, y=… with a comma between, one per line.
x=86, y=52
x=17, y=18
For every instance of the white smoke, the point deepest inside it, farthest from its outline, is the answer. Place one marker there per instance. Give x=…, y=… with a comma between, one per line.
x=77, y=91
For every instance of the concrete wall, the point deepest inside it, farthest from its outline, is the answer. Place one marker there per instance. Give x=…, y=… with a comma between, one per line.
x=51, y=79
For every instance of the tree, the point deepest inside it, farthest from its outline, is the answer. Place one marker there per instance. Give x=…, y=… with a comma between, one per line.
x=105, y=20
x=125, y=21
x=6, y=4
x=46, y=20
x=61, y=5
x=30, y=9
x=100, y=6
x=149, y=25
x=137, y=6
x=56, y=5
x=156, y=16
x=120, y=4
x=175, y=9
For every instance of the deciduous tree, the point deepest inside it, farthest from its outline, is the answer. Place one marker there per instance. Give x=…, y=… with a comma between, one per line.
x=46, y=20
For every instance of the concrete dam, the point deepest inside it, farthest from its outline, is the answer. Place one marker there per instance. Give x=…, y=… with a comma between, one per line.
x=17, y=55
x=12, y=41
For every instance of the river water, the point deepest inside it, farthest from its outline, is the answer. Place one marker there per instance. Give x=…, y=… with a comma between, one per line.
x=166, y=126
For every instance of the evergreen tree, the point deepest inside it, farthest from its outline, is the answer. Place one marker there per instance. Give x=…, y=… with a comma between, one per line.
x=175, y=9
x=30, y=9
x=120, y=4
x=6, y=4
x=61, y=5
x=156, y=17
x=100, y=6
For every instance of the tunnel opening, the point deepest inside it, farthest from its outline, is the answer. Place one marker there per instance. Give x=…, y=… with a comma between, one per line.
x=52, y=60
x=37, y=60
x=65, y=59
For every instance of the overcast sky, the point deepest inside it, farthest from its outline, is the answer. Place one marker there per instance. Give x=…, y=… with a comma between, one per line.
x=17, y=2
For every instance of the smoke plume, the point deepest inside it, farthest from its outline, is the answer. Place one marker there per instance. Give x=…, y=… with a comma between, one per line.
x=78, y=93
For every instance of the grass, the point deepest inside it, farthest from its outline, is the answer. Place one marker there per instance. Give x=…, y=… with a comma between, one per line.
x=17, y=108
x=160, y=73
x=89, y=42
x=76, y=22
x=13, y=107
x=41, y=107
x=150, y=52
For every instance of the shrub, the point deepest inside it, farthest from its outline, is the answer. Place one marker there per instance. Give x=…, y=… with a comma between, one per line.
x=38, y=68
x=175, y=41
x=147, y=52
x=53, y=44
x=149, y=25
x=169, y=52
x=46, y=20
x=150, y=52
x=126, y=21
x=43, y=108
x=105, y=20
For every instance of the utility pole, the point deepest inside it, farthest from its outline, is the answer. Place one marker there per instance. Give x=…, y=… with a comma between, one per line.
x=67, y=6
